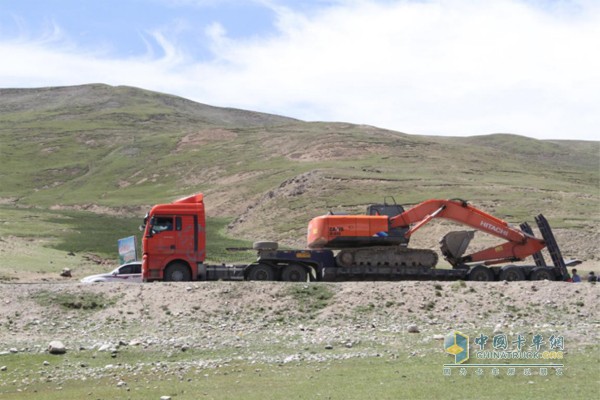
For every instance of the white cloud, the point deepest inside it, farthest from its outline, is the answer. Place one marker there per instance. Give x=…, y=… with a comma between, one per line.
x=447, y=67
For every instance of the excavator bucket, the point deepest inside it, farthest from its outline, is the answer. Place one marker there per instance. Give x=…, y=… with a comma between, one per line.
x=454, y=244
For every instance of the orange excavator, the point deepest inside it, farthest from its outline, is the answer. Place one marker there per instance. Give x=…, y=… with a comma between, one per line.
x=381, y=237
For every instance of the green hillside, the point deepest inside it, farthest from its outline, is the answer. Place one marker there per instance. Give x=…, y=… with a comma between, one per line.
x=108, y=153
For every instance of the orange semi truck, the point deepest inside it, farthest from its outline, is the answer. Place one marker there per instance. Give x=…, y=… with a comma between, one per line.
x=373, y=246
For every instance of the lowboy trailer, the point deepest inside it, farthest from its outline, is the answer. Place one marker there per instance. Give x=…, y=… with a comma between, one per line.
x=367, y=247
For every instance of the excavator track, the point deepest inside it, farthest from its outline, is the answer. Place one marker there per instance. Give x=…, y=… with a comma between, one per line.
x=392, y=256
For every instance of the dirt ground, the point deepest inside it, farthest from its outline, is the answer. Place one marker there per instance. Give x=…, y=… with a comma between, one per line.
x=117, y=330
x=30, y=316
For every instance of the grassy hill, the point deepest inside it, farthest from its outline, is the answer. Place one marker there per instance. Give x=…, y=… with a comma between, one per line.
x=75, y=160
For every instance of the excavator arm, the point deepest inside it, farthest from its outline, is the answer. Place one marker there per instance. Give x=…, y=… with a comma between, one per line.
x=518, y=245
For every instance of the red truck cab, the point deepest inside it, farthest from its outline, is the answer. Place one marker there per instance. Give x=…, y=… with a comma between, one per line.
x=174, y=242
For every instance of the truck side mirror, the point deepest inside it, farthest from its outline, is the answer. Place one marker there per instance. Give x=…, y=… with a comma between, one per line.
x=151, y=230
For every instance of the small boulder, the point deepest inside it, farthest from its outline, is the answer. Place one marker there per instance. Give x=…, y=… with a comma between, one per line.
x=108, y=347
x=413, y=329
x=56, y=347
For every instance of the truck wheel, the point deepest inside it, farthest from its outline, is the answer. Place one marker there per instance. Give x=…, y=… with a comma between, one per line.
x=294, y=273
x=178, y=272
x=265, y=245
x=261, y=272
x=481, y=273
x=512, y=273
x=541, y=273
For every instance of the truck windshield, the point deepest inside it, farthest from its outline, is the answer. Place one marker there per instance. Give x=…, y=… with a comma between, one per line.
x=161, y=224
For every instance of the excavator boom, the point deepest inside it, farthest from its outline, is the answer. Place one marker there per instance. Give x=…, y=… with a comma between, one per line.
x=333, y=231
x=518, y=246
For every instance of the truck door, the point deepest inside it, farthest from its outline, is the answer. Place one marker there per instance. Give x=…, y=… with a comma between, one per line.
x=186, y=234
x=163, y=240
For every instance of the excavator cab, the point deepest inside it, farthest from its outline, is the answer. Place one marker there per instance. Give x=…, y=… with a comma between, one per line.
x=390, y=210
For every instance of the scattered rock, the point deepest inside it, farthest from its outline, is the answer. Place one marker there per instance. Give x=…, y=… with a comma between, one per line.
x=66, y=272
x=342, y=325
x=108, y=347
x=3, y=368
x=165, y=397
x=57, y=347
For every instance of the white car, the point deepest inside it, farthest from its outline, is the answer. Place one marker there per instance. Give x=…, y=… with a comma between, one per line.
x=130, y=272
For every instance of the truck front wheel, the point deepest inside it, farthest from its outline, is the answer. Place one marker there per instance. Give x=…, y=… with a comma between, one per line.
x=178, y=272
x=261, y=272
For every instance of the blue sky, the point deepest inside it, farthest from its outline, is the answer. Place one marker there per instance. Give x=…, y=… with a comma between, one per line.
x=437, y=67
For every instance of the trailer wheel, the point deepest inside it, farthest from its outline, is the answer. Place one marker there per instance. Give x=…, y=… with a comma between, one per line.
x=481, y=273
x=541, y=273
x=512, y=273
x=178, y=272
x=294, y=273
x=261, y=272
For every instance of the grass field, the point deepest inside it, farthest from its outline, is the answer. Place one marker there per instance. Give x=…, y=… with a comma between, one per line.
x=120, y=148
x=382, y=377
